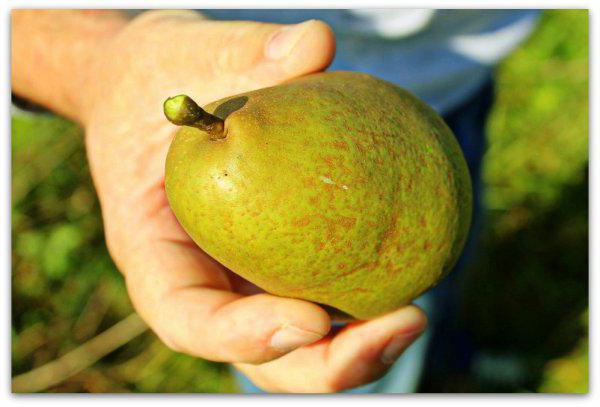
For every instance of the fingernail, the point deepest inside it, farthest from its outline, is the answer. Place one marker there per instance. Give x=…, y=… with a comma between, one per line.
x=283, y=41
x=396, y=346
x=289, y=338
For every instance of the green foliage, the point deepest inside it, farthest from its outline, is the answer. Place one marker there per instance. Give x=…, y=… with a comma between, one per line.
x=530, y=285
x=65, y=287
x=538, y=131
x=569, y=374
x=525, y=296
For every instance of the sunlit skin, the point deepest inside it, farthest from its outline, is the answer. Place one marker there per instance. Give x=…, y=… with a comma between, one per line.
x=112, y=76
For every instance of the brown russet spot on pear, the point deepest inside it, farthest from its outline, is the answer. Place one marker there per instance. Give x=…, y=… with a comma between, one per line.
x=340, y=188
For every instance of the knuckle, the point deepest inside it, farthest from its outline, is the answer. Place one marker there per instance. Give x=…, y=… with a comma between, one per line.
x=333, y=384
x=235, y=52
x=153, y=16
x=262, y=356
x=224, y=61
x=171, y=343
x=160, y=319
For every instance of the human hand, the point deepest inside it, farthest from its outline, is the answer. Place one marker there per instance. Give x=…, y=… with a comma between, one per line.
x=193, y=303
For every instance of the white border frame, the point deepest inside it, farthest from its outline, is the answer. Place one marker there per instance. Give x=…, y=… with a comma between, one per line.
x=422, y=399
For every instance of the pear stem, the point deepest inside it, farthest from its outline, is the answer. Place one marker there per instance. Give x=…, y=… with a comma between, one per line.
x=181, y=110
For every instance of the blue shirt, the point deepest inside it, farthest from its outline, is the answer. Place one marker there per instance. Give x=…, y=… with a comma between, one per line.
x=443, y=56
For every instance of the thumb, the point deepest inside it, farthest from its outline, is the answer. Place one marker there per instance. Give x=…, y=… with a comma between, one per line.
x=300, y=49
x=231, y=57
x=267, y=54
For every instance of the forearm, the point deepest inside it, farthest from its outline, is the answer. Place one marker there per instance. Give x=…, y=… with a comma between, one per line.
x=53, y=52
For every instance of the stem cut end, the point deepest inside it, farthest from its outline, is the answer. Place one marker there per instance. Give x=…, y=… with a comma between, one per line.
x=181, y=110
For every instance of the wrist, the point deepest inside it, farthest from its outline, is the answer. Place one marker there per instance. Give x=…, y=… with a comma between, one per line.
x=80, y=82
x=54, y=55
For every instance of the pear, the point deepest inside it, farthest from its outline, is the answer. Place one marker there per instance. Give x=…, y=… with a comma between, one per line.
x=337, y=188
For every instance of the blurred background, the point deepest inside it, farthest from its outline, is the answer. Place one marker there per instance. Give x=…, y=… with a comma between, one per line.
x=526, y=293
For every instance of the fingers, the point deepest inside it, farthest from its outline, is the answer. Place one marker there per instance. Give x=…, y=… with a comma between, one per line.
x=296, y=50
x=254, y=55
x=174, y=52
x=186, y=301
x=359, y=354
x=237, y=46
x=248, y=55
x=272, y=52
x=220, y=326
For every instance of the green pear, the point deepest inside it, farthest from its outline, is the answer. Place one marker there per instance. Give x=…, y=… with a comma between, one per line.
x=337, y=188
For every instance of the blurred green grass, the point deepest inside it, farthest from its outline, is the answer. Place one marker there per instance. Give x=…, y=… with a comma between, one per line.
x=526, y=295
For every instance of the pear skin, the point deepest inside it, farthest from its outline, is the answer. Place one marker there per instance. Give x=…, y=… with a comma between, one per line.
x=337, y=188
